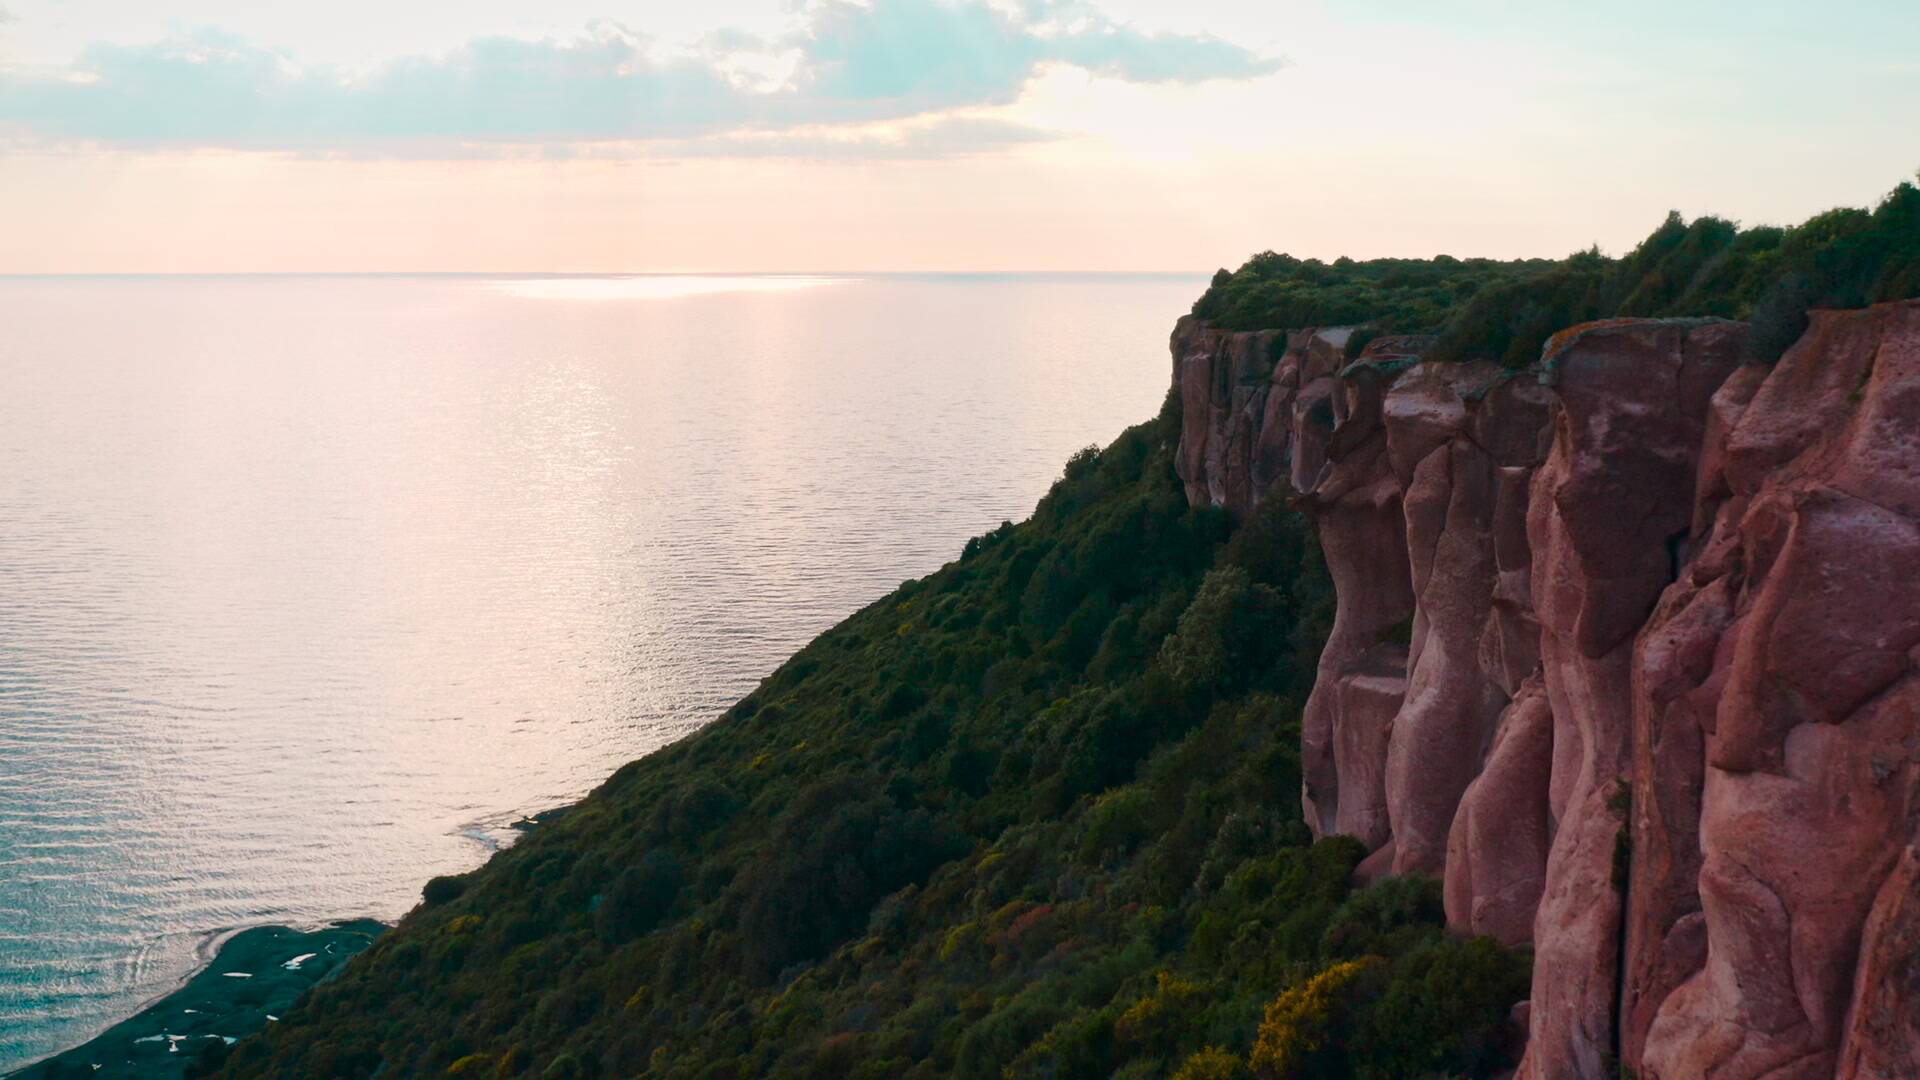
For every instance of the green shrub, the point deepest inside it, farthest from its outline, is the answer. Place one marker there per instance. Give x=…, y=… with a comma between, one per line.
x=1444, y=1011
x=640, y=897
x=443, y=890
x=1385, y=919
x=1505, y=311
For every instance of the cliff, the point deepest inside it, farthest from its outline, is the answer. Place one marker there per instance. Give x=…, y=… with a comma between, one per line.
x=1624, y=653
x=1484, y=688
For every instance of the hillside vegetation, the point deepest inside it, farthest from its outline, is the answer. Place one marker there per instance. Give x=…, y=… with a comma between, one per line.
x=1034, y=815
x=1505, y=311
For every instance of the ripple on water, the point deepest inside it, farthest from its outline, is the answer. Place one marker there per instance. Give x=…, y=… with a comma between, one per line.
x=310, y=587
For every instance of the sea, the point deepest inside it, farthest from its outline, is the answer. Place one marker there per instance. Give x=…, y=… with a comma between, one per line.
x=311, y=586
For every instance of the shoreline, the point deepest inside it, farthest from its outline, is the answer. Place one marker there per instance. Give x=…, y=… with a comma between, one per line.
x=248, y=977
x=138, y=1046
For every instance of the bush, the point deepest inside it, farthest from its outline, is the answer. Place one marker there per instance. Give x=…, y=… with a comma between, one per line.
x=1229, y=635
x=1161, y=1014
x=1445, y=1010
x=1212, y=1063
x=1505, y=311
x=444, y=889
x=640, y=897
x=1308, y=1030
x=1385, y=919
x=1117, y=823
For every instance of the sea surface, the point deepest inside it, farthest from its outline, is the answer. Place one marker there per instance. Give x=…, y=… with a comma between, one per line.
x=310, y=586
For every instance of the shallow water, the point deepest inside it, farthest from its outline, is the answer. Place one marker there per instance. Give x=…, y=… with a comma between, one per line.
x=310, y=585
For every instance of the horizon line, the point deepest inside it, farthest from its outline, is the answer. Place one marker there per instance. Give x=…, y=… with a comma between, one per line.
x=587, y=273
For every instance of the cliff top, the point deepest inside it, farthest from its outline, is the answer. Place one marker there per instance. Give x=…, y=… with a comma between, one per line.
x=1486, y=309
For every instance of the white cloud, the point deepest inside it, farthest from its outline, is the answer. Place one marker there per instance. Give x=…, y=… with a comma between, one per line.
x=841, y=63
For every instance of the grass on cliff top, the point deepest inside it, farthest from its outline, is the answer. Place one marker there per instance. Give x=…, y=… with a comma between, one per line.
x=1035, y=815
x=1505, y=311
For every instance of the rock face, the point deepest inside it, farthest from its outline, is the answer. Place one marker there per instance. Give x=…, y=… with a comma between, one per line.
x=1802, y=615
x=1225, y=380
x=1627, y=652
x=1609, y=507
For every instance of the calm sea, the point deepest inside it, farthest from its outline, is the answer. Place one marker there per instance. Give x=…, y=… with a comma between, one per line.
x=310, y=585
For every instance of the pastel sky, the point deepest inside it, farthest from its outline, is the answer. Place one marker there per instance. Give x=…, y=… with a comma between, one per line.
x=623, y=135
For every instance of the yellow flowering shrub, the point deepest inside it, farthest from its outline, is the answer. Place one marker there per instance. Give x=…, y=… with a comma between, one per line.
x=1302, y=1021
x=1213, y=1063
x=470, y=1063
x=1165, y=1004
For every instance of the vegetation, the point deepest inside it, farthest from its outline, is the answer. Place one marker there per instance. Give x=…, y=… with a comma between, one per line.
x=1505, y=311
x=1035, y=815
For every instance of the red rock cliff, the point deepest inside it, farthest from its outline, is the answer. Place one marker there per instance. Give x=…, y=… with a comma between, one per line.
x=1627, y=652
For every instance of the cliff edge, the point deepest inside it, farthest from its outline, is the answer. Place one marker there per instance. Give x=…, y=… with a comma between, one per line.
x=1625, y=652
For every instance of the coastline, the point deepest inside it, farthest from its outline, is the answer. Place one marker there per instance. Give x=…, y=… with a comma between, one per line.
x=249, y=976
x=156, y=1040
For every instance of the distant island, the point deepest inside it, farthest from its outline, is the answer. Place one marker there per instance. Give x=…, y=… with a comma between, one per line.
x=1475, y=665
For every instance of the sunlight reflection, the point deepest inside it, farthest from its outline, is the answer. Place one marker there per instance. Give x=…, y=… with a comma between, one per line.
x=654, y=286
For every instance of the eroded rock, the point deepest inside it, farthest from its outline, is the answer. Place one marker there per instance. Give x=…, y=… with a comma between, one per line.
x=1627, y=649
x=1808, y=780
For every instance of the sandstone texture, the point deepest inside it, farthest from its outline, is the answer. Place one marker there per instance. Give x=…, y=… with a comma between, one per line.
x=1627, y=653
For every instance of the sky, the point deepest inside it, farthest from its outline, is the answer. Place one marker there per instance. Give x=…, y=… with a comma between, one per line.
x=848, y=135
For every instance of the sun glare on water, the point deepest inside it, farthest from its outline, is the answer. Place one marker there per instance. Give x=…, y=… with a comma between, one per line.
x=654, y=286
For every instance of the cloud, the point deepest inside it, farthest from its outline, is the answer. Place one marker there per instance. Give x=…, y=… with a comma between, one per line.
x=211, y=89
x=940, y=138
x=842, y=63
x=897, y=56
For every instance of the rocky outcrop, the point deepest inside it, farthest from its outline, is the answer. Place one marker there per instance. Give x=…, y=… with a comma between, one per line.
x=1356, y=507
x=1802, y=612
x=1462, y=441
x=1497, y=847
x=1608, y=510
x=1625, y=652
x=1231, y=456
